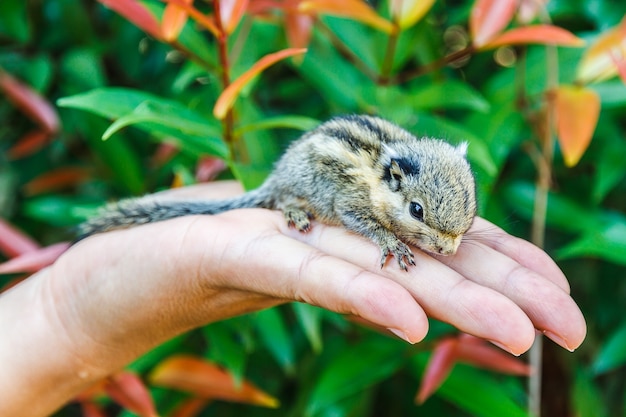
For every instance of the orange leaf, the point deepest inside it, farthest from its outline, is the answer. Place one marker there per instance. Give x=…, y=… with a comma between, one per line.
x=477, y=352
x=535, y=34
x=190, y=408
x=576, y=110
x=438, y=368
x=406, y=13
x=206, y=380
x=127, y=389
x=200, y=18
x=231, y=12
x=352, y=9
x=28, y=144
x=137, y=14
x=31, y=103
x=57, y=179
x=299, y=28
x=597, y=63
x=173, y=21
x=14, y=242
x=488, y=18
x=33, y=261
x=226, y=100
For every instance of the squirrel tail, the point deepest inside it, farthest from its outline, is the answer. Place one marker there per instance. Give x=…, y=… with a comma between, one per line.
x=137, y=211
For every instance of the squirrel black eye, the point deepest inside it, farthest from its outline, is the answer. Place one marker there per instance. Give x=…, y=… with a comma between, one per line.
x=416, y=211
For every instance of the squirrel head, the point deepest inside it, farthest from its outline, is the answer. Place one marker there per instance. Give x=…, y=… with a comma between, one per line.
x=430, y=194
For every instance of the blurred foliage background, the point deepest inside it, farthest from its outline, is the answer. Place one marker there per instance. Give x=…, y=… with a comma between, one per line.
x=151, y=88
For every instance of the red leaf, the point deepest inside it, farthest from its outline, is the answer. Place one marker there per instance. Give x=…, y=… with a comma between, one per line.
x=29, y=144
x=35, y=260
x=137, y=14
x=231, y=12
x=58, y=179
x=208, y=168
x=229, y=95
x=173, y=21
x=576, y=110
x=14, y=242
x=164, y=152
x=438, y=368
x=91, y=409
x=477, y=352
x=206, y=380
x=620, y=64
x=488, y=18
x=536, y=34
x=127, y=389
x=190, y=408
x=529, y=9
x=31, y=103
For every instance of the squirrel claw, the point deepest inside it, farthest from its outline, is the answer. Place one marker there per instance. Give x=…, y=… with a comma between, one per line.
x=401, y=252
x=297, y=218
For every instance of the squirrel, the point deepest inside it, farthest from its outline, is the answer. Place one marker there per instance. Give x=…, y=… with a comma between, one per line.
x=360, y=172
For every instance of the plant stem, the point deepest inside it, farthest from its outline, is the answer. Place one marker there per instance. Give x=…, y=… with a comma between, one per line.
x=222, y=46
x=432, y=66
x=542, y=187
x=390, y=54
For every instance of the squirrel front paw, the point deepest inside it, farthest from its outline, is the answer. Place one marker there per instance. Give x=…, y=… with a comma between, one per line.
x=297, y=218
x=400, y=251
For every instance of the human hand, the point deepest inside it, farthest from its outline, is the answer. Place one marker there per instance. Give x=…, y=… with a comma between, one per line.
x=115, y=295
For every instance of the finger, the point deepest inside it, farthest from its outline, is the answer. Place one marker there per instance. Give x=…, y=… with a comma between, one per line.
x=442, y=292
x=550, y=308
x=520, y=250
x=299, y=272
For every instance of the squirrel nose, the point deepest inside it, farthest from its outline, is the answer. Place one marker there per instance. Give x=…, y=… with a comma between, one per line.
x=445, y=251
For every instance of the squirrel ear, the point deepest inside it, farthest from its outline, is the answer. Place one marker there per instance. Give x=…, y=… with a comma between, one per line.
x=461, y=149
x=395, y=171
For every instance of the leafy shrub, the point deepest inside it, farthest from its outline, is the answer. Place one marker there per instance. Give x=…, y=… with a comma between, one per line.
x=175, y=88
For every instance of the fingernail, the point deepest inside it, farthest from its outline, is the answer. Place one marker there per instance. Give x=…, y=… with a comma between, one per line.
x=504, y=347
x=402, y=335
x=557, y=339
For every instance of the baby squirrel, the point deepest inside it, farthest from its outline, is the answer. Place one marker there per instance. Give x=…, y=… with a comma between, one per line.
x=360, y=172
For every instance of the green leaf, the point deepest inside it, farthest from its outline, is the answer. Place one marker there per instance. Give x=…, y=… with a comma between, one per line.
x=271, y=328
x=166, y=119
x=612, y=93
x=310, y=318
x=561, y=210
x=608, y=243
x=353, y=370
x=14, y=22
x=225, y=347
x=57, y=210
x=612, y=355
x=283, y=122
x=118, y=156
x=586, y=397
x=450, y=94
x=108, y=102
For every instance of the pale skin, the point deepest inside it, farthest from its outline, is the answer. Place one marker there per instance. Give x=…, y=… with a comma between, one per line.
x=114, y=296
